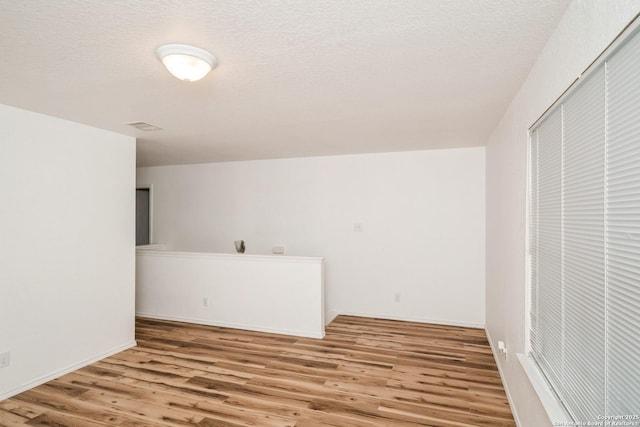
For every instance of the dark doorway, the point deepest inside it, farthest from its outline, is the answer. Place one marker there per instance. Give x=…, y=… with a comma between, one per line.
x=143, y=216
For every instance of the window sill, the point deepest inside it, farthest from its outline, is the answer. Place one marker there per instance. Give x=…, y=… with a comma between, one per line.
x=555, y=410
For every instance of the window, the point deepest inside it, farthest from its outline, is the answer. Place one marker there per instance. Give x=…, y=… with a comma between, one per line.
x=585, y=241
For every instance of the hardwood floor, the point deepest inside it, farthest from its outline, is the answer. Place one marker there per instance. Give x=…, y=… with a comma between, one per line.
x=365, y=372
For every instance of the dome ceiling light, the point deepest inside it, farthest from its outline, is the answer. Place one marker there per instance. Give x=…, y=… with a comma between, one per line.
x=186, y=62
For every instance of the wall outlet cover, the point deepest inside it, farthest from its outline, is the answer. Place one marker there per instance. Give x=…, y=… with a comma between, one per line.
x=4, y=359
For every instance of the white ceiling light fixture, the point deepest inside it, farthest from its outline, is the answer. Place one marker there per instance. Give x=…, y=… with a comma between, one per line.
x=186, y=62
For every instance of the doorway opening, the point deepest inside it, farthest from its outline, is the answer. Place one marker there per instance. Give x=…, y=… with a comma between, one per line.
x=143, y=216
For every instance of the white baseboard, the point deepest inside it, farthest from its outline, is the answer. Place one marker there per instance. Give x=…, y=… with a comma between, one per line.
x=414, y=319
x=504, y=383
x=331, y=315
x=208, y=322
x=46, y=378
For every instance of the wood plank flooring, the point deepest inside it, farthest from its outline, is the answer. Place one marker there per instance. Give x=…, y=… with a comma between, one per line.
x=365, y=372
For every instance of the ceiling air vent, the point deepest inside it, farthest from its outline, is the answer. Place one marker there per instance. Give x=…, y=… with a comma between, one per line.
x=144, y=126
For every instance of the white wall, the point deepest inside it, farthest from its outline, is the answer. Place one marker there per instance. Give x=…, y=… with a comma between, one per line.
x=231, y=290
x=66, y=246
x=585, y=30
x=422, y=216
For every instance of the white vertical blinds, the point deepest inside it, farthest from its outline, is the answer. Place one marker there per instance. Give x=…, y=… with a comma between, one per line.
x=584, y=229
x=623, y=237
x=549, y=250
x=585, y=241
x=533, y=238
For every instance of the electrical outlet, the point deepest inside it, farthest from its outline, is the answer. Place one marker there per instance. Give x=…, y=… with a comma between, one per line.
x=278, y=250
x=4, y=359
x=205, y=302
x=357, y=227
x=396, y=297
x=502, y=349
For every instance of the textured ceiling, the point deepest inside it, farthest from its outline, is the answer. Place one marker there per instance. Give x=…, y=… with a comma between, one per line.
x=295, y=78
